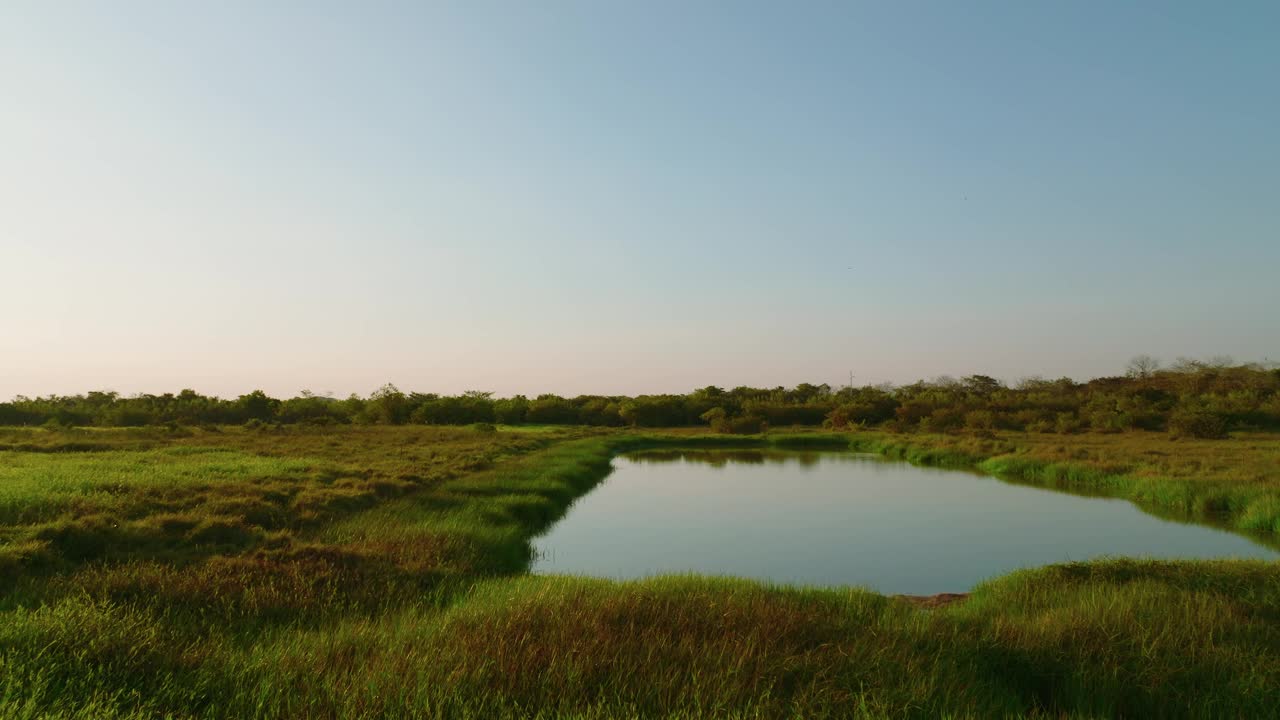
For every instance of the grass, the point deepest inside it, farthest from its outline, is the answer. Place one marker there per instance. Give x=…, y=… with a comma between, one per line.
x=379, y=572
x=1234, y=482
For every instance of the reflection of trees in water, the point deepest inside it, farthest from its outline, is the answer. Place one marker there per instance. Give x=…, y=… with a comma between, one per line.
x=721, y=458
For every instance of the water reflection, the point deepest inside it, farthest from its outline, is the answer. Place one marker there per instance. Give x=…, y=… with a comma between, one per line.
x=832, y=518
x=722, y=458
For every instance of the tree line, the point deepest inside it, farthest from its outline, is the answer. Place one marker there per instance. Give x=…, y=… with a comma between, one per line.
x=1193, y=398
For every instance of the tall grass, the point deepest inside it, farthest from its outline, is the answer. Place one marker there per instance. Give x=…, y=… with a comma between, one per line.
x=1103, y=639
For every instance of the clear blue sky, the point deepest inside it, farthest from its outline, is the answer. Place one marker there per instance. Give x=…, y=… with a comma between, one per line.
x=640, y=197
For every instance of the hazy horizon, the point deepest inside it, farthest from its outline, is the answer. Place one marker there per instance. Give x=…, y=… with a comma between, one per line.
x=583, y=199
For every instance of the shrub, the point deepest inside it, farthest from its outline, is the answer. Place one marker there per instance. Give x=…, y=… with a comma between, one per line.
x=126, y=417
x=1068, y=423
x=713, y=415
x=778, y=414
x=511, y=411
x=1197, y=424
x=837, y=418
x=980, y=420
x=551, y=410
x=1105, y=421
x=911, y=413
x=745, y=425
x=1040, y=426
x=944, y=419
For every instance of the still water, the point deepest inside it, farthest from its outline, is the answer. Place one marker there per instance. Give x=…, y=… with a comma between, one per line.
x=847, y=519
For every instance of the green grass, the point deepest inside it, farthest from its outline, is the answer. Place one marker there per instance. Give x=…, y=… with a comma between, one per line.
x=1234, y=482
x=379, y=572
x=41, y=486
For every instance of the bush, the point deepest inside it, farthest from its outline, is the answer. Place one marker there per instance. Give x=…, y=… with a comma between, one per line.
x=1106, y=421
x=779, y=414
x=838, y=418
x=551, y=410
x=1068, y=424
x=1197, y=424
x=511, y=411
x=1040, y=426
x=745, y=425
x=980, y=420
x=126, y=417
x=912, y=413
x=655, y=411
x=943, y=419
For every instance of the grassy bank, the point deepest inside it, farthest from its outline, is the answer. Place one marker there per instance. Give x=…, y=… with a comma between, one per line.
x=1234, y=482
x=378, y=572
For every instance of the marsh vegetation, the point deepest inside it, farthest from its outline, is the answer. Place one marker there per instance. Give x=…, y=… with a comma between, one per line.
x=380, y=571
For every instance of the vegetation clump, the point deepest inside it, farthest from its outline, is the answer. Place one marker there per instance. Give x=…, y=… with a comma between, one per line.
x=720, y=422
x=1202, y=424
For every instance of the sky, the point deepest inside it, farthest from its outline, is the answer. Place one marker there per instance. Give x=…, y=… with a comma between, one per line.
x=607, y=197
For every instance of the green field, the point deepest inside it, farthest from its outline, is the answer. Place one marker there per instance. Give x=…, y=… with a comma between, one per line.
x=379, y=571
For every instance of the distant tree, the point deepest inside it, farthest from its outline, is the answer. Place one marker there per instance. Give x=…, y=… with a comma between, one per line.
x=511, y=411
x=256, y=406
x=982, y=385
x=1194, y=398
x=806, y=392
x=387, y=405
x=551, y=409
x=309, y=408
x=1142, y=367
x=710, y=392
x=600, y=411
x=864, y=406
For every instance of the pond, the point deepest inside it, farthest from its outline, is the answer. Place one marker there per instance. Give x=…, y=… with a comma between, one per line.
x=847, y=519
